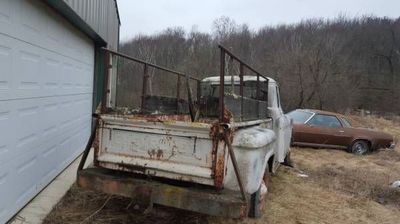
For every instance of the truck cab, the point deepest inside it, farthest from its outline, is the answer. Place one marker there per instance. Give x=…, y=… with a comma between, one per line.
x=210, y=154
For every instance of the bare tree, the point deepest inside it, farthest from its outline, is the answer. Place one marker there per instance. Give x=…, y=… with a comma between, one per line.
x=336, y=64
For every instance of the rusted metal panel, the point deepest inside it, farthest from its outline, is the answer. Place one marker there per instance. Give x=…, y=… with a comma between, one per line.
x=217, y=203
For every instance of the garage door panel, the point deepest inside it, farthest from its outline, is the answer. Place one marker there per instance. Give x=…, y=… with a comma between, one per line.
x=7, y=10
x=28, y=68
x=30, y=71
x=46, y=90
x=9, y=131
x=20, y=19
x=5, y=65
x=17, y=172
x=32, y=23
x=35, y=121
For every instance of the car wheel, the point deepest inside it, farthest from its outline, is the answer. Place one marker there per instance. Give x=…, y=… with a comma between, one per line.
x=359, y=147
x=257, y=201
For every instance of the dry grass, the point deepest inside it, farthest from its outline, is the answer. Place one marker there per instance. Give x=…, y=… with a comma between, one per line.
x=82, y=206
x=341, y=188
x=378, y=123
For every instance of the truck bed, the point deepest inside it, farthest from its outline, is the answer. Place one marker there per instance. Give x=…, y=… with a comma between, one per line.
x=163, y=146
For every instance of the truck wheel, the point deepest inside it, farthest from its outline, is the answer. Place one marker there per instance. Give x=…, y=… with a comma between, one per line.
x=359, y=147
x=257, y=201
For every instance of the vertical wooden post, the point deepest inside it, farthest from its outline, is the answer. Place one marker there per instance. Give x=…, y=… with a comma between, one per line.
x=241, y=90
x=178, y=93
x=144, y=88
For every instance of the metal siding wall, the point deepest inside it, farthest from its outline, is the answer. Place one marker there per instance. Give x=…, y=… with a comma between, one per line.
x=102, y=16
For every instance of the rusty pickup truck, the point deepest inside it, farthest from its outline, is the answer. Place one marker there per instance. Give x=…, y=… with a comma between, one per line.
x=211, y=154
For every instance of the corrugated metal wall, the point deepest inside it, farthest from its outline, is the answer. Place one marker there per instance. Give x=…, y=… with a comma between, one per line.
x=102, y=16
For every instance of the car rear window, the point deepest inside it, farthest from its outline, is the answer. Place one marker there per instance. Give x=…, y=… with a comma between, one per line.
x=345, y=122
x=299, y=117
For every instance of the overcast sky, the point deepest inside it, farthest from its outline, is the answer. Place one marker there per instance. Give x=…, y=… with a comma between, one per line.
x=150, y=16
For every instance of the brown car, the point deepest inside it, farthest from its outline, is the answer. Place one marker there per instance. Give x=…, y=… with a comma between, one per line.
x=317, y=128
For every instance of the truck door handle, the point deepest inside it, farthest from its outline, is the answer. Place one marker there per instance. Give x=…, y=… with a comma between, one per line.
x=341, y=131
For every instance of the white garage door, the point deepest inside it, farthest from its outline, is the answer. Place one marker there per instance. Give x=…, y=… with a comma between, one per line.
x=46, y=84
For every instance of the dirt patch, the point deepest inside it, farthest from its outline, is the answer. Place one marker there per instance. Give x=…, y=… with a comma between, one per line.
x=339, y=188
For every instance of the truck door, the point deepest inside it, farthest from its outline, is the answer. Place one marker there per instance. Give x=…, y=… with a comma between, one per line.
x=282, y=125
x=322, y=129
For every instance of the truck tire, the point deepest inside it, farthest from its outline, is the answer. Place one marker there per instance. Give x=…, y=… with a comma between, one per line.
x=257, y=200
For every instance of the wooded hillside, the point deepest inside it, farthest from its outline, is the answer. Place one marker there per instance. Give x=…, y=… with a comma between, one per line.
x=341, y=64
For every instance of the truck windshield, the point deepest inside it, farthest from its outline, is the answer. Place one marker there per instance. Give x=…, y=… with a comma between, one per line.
x=299, y=117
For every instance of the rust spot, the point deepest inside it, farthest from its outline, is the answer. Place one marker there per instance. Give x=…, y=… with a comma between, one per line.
x=152, y=153
x=156, y=154
x=218, y=158
x=244, y=210
x=214, y=136
x=160, y=154
x=173, y=152
x=219, y=171
x=227, y=116
x=126, y=167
